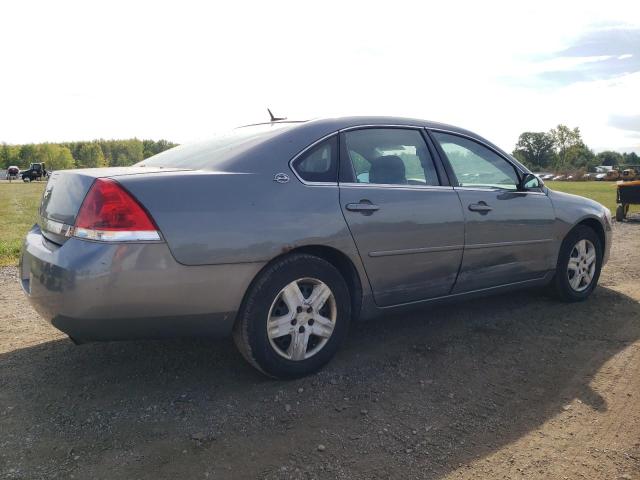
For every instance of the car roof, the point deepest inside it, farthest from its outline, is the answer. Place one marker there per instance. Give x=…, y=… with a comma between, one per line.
x=283, y=142
x=313, y=130
x=340, y=123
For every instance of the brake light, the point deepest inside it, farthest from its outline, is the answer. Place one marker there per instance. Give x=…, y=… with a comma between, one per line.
x=110, y=213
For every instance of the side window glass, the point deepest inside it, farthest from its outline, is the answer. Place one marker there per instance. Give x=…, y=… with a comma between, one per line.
x=319, y=164
x=475, y=165
x=390, y=156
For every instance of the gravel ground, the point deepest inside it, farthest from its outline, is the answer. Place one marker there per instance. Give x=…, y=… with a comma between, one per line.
x=515, y=386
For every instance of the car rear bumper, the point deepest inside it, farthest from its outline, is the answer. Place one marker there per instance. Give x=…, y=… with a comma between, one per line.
x=100, y=291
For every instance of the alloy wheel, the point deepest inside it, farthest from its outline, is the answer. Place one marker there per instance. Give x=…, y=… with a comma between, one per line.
x=582, y=265
x=301, y=319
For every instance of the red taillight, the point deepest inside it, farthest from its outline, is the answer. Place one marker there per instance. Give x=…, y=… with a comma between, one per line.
x=110, y=213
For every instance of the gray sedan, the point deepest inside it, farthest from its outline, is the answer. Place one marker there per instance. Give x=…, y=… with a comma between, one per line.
x=284, y=233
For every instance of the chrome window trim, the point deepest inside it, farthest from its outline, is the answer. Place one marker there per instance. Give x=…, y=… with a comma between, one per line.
x=496, y=189
x=302, y=152
x=392, y=125
x=401, y=186
x=337, y=132
x=367, y=125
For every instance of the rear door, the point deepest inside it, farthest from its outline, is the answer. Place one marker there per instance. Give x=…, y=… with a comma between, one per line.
x=408, y=225
x=509, y=233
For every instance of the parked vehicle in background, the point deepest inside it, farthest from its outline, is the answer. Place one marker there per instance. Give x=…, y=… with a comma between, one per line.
x=548, y=176
x=13, y=172
x=612, y=175
x=588, y=176
x=541, y=175
x=628, y=193
x=284, y=233
x=36, y=171
x=629, y=174
x=558, y=177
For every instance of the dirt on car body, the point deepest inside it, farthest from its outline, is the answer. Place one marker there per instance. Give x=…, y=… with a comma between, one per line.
x=514, y=386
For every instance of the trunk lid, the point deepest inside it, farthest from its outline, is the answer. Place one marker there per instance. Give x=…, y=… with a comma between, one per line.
x=65, y=191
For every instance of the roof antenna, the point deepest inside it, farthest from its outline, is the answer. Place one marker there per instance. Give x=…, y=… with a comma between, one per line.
x=275, y=119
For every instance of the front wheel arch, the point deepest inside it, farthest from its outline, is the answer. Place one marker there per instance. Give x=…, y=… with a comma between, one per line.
x=597, y=227
x=559, y=285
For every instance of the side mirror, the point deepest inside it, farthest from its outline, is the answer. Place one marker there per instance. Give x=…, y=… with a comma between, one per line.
x=530, y=181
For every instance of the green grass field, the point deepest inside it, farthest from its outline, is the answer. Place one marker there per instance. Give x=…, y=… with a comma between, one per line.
x=19, y=204
x=18, y=207
x=603, y=192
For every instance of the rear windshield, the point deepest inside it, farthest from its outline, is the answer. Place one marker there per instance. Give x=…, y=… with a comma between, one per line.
x=211, y=154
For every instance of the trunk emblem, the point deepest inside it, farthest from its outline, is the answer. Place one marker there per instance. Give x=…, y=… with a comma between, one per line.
x=281, y=178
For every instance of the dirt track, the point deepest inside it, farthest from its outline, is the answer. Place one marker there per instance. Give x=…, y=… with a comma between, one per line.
x=517, y=386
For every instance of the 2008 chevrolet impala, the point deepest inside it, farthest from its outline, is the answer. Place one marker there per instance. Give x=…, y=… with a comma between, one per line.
x=284, y=233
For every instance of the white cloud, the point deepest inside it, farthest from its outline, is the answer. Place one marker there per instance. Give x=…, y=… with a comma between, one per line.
x=181, y=70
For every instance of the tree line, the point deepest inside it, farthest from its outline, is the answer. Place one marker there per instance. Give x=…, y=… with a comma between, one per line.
x=562, y=149
x=95, y=153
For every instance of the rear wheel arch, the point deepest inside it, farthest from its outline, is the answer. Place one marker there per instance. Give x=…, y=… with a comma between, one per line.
x=256, y=343
x=335, y=257
x=346, y=268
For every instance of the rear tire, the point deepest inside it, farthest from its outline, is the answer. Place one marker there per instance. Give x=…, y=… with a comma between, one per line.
x=289, y=335
x=620, y=213
x=575, y=282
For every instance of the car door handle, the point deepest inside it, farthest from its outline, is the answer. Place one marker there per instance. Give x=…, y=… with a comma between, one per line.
x=362, y=207
x=480, y=207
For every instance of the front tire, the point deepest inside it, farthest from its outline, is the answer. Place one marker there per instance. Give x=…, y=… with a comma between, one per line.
x=579, y=264
x=294, y=317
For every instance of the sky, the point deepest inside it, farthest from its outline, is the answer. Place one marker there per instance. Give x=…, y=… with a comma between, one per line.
x=185, y=70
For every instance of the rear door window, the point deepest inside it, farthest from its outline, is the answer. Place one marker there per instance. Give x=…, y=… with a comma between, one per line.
x=390, y=156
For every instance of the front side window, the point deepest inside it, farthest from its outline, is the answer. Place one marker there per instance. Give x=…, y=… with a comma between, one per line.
x=390, y=156
x=475, y=165
x=320, y=163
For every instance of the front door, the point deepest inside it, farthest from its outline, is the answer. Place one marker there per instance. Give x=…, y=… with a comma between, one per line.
x=408, y=227
x=509, y=233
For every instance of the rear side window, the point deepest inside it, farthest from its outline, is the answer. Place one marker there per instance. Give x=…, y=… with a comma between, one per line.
x=320, y=163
